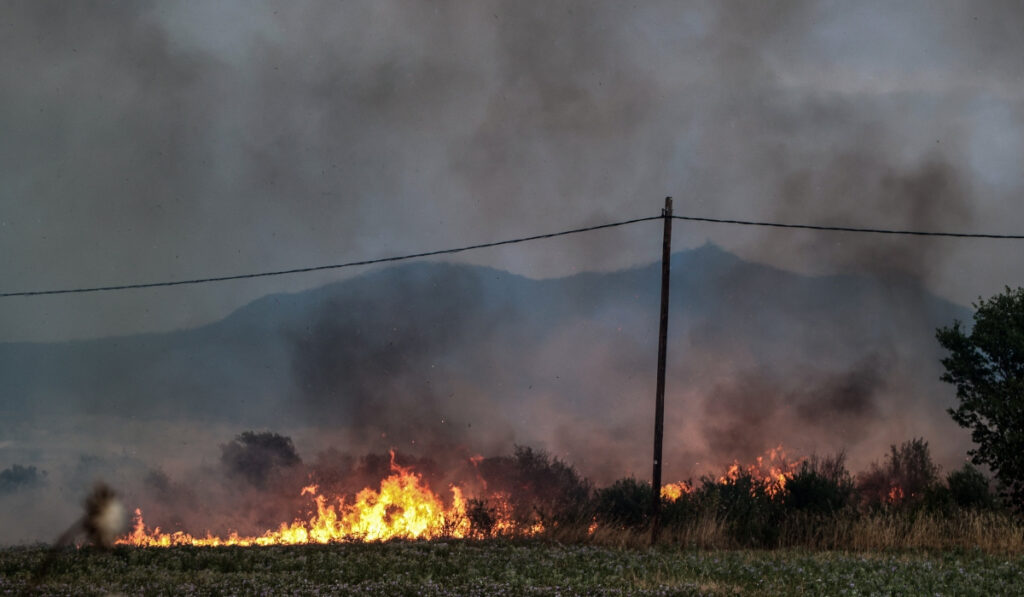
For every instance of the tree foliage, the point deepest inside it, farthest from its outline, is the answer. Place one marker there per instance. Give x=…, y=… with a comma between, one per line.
x=968, y=488
x=903, y=479
x=987, y=367
x=539, y=488
x=821, y=486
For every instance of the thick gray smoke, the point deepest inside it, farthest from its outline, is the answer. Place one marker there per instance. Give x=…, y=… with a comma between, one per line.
x=147, y=141
x=259, y=458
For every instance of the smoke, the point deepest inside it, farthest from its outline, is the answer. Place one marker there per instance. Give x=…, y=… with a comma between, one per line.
x=815, y=408
x=19, y=478
x=203, y=500
x=377, y=360
x=165, y=142
x=149, y=142
x=927, y=196
x=446, y=362
x=258, y=457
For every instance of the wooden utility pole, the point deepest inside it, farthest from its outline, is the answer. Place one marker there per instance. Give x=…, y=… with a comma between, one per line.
x=659, y=396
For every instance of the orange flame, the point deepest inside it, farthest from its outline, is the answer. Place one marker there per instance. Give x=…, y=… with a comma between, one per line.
x=673, y=491
x=773, y=471
x=403, y=508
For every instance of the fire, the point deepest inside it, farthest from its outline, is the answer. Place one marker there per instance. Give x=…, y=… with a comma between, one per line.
x=402, y=508
x=673, y=491
x=405, y=507
x=773, y=469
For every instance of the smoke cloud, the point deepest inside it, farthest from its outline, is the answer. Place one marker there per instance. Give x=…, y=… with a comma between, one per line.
x=145, y=141
x=148, y=142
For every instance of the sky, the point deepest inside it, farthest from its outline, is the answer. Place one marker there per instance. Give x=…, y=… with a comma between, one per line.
x=149, y=141
x=155, y=141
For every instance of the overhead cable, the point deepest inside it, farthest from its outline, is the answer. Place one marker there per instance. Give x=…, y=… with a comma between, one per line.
x=394, y=258
x=852, y=229
x=301, y=270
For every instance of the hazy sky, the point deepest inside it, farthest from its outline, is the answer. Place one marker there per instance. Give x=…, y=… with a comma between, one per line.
x=157, y=141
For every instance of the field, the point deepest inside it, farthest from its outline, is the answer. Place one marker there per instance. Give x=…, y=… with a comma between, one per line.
x=505, y=568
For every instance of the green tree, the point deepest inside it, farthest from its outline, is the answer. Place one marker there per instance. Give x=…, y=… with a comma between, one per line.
x=987, y=367
x=968, y=488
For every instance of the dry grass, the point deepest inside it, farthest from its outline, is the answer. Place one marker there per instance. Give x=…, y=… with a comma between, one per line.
x=991, y=532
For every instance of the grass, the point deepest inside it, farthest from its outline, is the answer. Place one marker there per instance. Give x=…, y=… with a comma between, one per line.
x=502, y=567
x=990, y=532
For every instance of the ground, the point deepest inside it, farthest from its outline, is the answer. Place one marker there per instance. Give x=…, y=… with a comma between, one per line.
x=503, y=568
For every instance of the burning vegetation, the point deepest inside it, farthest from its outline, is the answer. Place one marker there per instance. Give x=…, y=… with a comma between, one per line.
x=403, y=507
x=529, y=493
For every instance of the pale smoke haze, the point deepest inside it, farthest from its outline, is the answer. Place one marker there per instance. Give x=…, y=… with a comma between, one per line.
x=148, y=141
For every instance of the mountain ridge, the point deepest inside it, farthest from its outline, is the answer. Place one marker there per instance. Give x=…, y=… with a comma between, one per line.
x=397, y=351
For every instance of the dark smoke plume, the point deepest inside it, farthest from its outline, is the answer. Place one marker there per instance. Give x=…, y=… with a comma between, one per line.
x=256, y=457
x=147, y=141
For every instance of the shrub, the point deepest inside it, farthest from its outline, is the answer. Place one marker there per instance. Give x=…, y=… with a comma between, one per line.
x=969, y=488
x=904, y=479
x=539, y=488
x=481, y=518
x=742, y=502
x=821, y=486
x=625, y=502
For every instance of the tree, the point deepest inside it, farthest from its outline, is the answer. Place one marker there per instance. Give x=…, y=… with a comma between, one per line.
x=968, y=488
x=987, y=367
x=905, y=477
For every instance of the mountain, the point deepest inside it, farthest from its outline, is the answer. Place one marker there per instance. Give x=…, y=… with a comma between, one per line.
x=434, y=354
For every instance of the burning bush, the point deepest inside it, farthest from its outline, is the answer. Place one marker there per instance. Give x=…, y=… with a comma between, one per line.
x=745, y=505
x=771, y=501
x=538, y=488
x=904, y=479
x=483, y=518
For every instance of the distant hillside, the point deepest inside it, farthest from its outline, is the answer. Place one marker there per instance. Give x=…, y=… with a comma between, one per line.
x=444, y=354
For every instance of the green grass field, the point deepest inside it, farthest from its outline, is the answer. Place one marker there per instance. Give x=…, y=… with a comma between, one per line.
x=505, y=568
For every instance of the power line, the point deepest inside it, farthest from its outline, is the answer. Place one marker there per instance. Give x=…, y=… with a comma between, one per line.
x=851, y=229
x=301, y=270
x=506, y=242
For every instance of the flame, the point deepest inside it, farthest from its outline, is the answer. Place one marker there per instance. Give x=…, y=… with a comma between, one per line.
x=896, y=494
x=673, y=491
x=402, y=508
x=475, y=461
x=773, y=471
